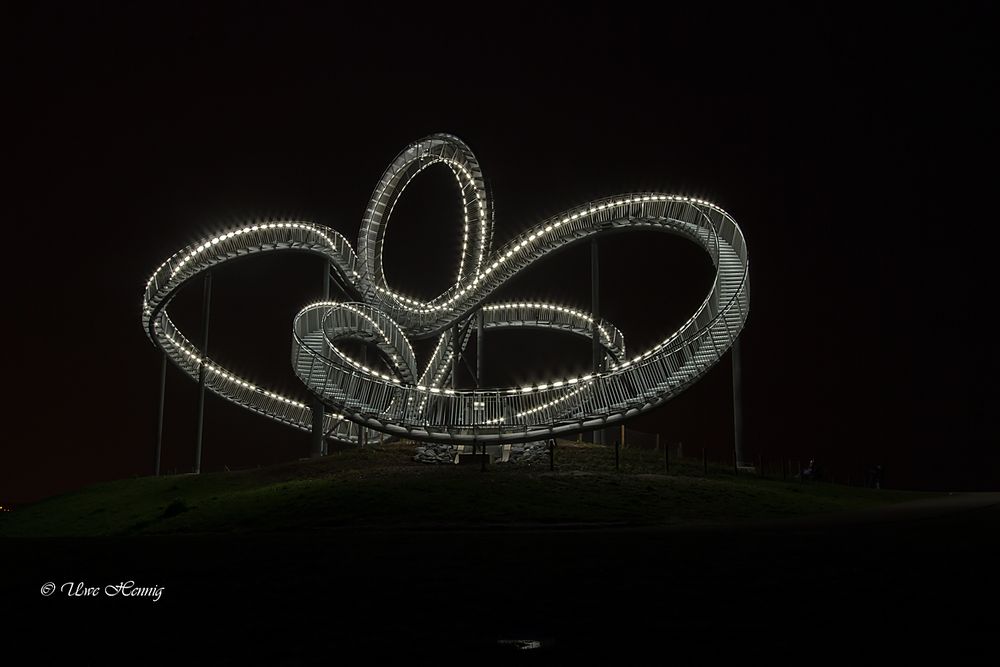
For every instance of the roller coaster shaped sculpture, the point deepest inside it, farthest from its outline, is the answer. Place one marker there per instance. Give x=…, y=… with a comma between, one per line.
x=415, y=404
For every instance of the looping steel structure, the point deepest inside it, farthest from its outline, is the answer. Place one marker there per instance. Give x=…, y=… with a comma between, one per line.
x=417, y=404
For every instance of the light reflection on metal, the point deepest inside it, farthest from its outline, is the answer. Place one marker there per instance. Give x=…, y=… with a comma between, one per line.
x=421, y=404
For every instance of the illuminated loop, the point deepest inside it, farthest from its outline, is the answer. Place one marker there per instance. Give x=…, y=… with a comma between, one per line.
x=418, y=404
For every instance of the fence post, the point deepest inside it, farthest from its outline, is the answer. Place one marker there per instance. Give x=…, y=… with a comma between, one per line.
x=736, y=466
x=552, y=450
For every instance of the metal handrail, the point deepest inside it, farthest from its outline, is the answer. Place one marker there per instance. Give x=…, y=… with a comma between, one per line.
x=423, y=408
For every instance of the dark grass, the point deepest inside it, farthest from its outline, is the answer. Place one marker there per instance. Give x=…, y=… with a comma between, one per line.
x=383, y=487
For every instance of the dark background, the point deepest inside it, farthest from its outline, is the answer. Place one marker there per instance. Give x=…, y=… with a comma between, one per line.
x=854, y=148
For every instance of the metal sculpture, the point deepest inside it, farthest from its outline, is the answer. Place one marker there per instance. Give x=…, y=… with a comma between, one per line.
x=352, y=398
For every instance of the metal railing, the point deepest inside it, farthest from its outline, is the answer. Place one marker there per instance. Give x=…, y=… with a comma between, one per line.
x=417, y=404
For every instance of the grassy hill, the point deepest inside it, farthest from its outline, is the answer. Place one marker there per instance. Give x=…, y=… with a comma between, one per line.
x=383, y=487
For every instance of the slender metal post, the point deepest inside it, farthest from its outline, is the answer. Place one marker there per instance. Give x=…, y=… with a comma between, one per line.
x=159, y=414
x=737, y=404
x=316, y=435
x=454, y=356
x=362, y=431
x=317, y=443
x=595, y=308
x=479, y=349
x=479, y=362
x=206, y=307
x=499, y=423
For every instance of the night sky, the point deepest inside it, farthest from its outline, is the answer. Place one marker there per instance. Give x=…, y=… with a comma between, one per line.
x=855, y=150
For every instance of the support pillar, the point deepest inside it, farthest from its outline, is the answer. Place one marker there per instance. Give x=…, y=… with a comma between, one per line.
x=363, y=431
x=317, y=443
x=455, y=352
x=737, y=404
x=317, y=446
x=479, y=349
x=159, y=414
x=206, y=307
x=595, y=309
x=479, y=362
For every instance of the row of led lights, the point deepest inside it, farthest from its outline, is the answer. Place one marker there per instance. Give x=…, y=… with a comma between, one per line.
x=253, y=228
x=432, y=389
x=552, y=403
x=443, y=366
x=658, y=347
x=453, y=165
x=515, y=390
x=208, y=243
x=193, y=356
x=562, y=309
x=352, y=260
x=465, y=215
x=245, y=230
x=420, y=387
x=442, y=369
x=345, y=356
x=357, y=364
x=480, y=201
x=404, y=300
x=428, y=307
x=442, y=339
x=533, y=388
x=665, y=342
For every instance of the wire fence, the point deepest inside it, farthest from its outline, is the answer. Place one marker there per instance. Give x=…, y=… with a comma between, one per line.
x=651, y=453
x=627, y=450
